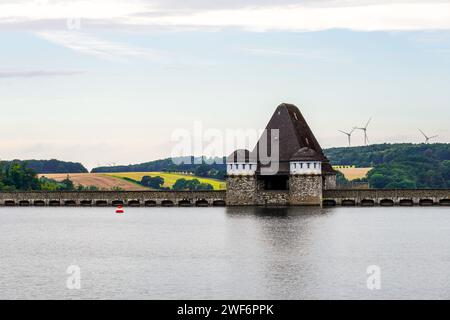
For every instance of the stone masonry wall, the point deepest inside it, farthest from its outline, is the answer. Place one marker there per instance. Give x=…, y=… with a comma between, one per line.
x=272, y=197
x=241, y=190
x=305, y=190
x=330, y=181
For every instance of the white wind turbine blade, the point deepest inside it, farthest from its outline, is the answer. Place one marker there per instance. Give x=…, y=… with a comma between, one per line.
x=423, y=134
x=367, y=124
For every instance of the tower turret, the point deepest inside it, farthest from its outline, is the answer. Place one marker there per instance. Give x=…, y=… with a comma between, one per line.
x=302, y=169
x=306, y=161
x=241, y=178
x=241, y=162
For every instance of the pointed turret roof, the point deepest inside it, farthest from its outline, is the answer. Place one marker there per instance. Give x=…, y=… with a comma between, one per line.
x=295, y=137
x=306, y=154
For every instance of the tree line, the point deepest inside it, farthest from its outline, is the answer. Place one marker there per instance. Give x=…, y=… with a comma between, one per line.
x=182, y=184
x=18, y=176
x=50, y=166
x=398, y=166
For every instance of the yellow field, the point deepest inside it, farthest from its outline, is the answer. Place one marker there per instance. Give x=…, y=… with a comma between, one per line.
x=354, y=173
x=169, y=178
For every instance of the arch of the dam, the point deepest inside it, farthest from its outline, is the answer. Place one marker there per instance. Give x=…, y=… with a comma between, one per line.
x=336, y=197
x=114, y=198
x=386, y=197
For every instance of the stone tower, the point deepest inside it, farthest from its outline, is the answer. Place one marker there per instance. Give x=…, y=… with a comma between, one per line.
x=286, y=167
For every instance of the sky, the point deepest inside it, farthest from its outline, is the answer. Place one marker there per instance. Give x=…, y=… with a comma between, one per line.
x=111, y=82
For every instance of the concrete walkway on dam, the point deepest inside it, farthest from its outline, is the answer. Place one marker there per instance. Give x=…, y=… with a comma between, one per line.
x=335, y=197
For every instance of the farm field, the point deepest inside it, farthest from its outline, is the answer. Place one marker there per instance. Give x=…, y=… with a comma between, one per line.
x=169, y=178
x=354, y=173
x=99, y=180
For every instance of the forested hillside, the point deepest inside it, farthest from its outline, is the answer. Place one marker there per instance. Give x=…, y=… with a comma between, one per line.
x=370, y=156
x=16, y=176
x=399, y=165
x=49, y=166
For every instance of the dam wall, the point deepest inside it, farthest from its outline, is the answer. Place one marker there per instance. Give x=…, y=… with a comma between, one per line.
x=386, y=197
x=114, y=198
x=334, y=197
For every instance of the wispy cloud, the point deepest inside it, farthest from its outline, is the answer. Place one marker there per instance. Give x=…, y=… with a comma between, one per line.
x=265, y=15
x=49, y=20
x=37, y=73
x=91, y=45
x=376, y=17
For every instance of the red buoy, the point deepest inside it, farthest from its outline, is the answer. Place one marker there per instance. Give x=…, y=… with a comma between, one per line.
x=119, y=209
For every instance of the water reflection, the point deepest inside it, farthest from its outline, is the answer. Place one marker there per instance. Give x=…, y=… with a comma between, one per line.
x=276, y=212
x=280, y=242
x=225, y=253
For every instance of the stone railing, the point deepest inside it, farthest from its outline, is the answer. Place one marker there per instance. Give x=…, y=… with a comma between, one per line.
x=114, y=198
x=386, y=197
x=344, y=197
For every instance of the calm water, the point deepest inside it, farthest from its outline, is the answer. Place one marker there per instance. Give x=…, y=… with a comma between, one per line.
x=223, y=253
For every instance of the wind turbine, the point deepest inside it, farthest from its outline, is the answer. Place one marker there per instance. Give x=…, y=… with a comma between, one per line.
x=349, y=135
x=366, y=139
x=426, y=137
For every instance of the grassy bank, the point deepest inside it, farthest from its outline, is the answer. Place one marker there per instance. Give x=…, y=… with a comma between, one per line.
x=169, y=178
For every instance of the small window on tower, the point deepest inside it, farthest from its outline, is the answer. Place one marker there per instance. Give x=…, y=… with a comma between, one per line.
x=243, y=166
x=237, y=166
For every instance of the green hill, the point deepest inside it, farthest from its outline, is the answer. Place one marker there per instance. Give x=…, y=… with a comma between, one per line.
x=403, y=165
x=50, y=166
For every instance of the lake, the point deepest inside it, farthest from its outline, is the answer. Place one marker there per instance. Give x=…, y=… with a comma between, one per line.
x=225, y=253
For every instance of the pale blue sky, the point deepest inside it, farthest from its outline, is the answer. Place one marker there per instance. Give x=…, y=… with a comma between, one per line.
x=114, y=90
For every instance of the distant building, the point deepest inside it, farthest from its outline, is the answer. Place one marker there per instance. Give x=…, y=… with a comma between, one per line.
x=303, y=171
x=344, y=167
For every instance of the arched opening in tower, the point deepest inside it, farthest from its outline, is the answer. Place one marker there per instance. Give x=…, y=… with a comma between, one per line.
x=275, y=182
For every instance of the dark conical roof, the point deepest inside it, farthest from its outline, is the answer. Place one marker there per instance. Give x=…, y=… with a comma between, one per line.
x=305, y=154
x=295, y=138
